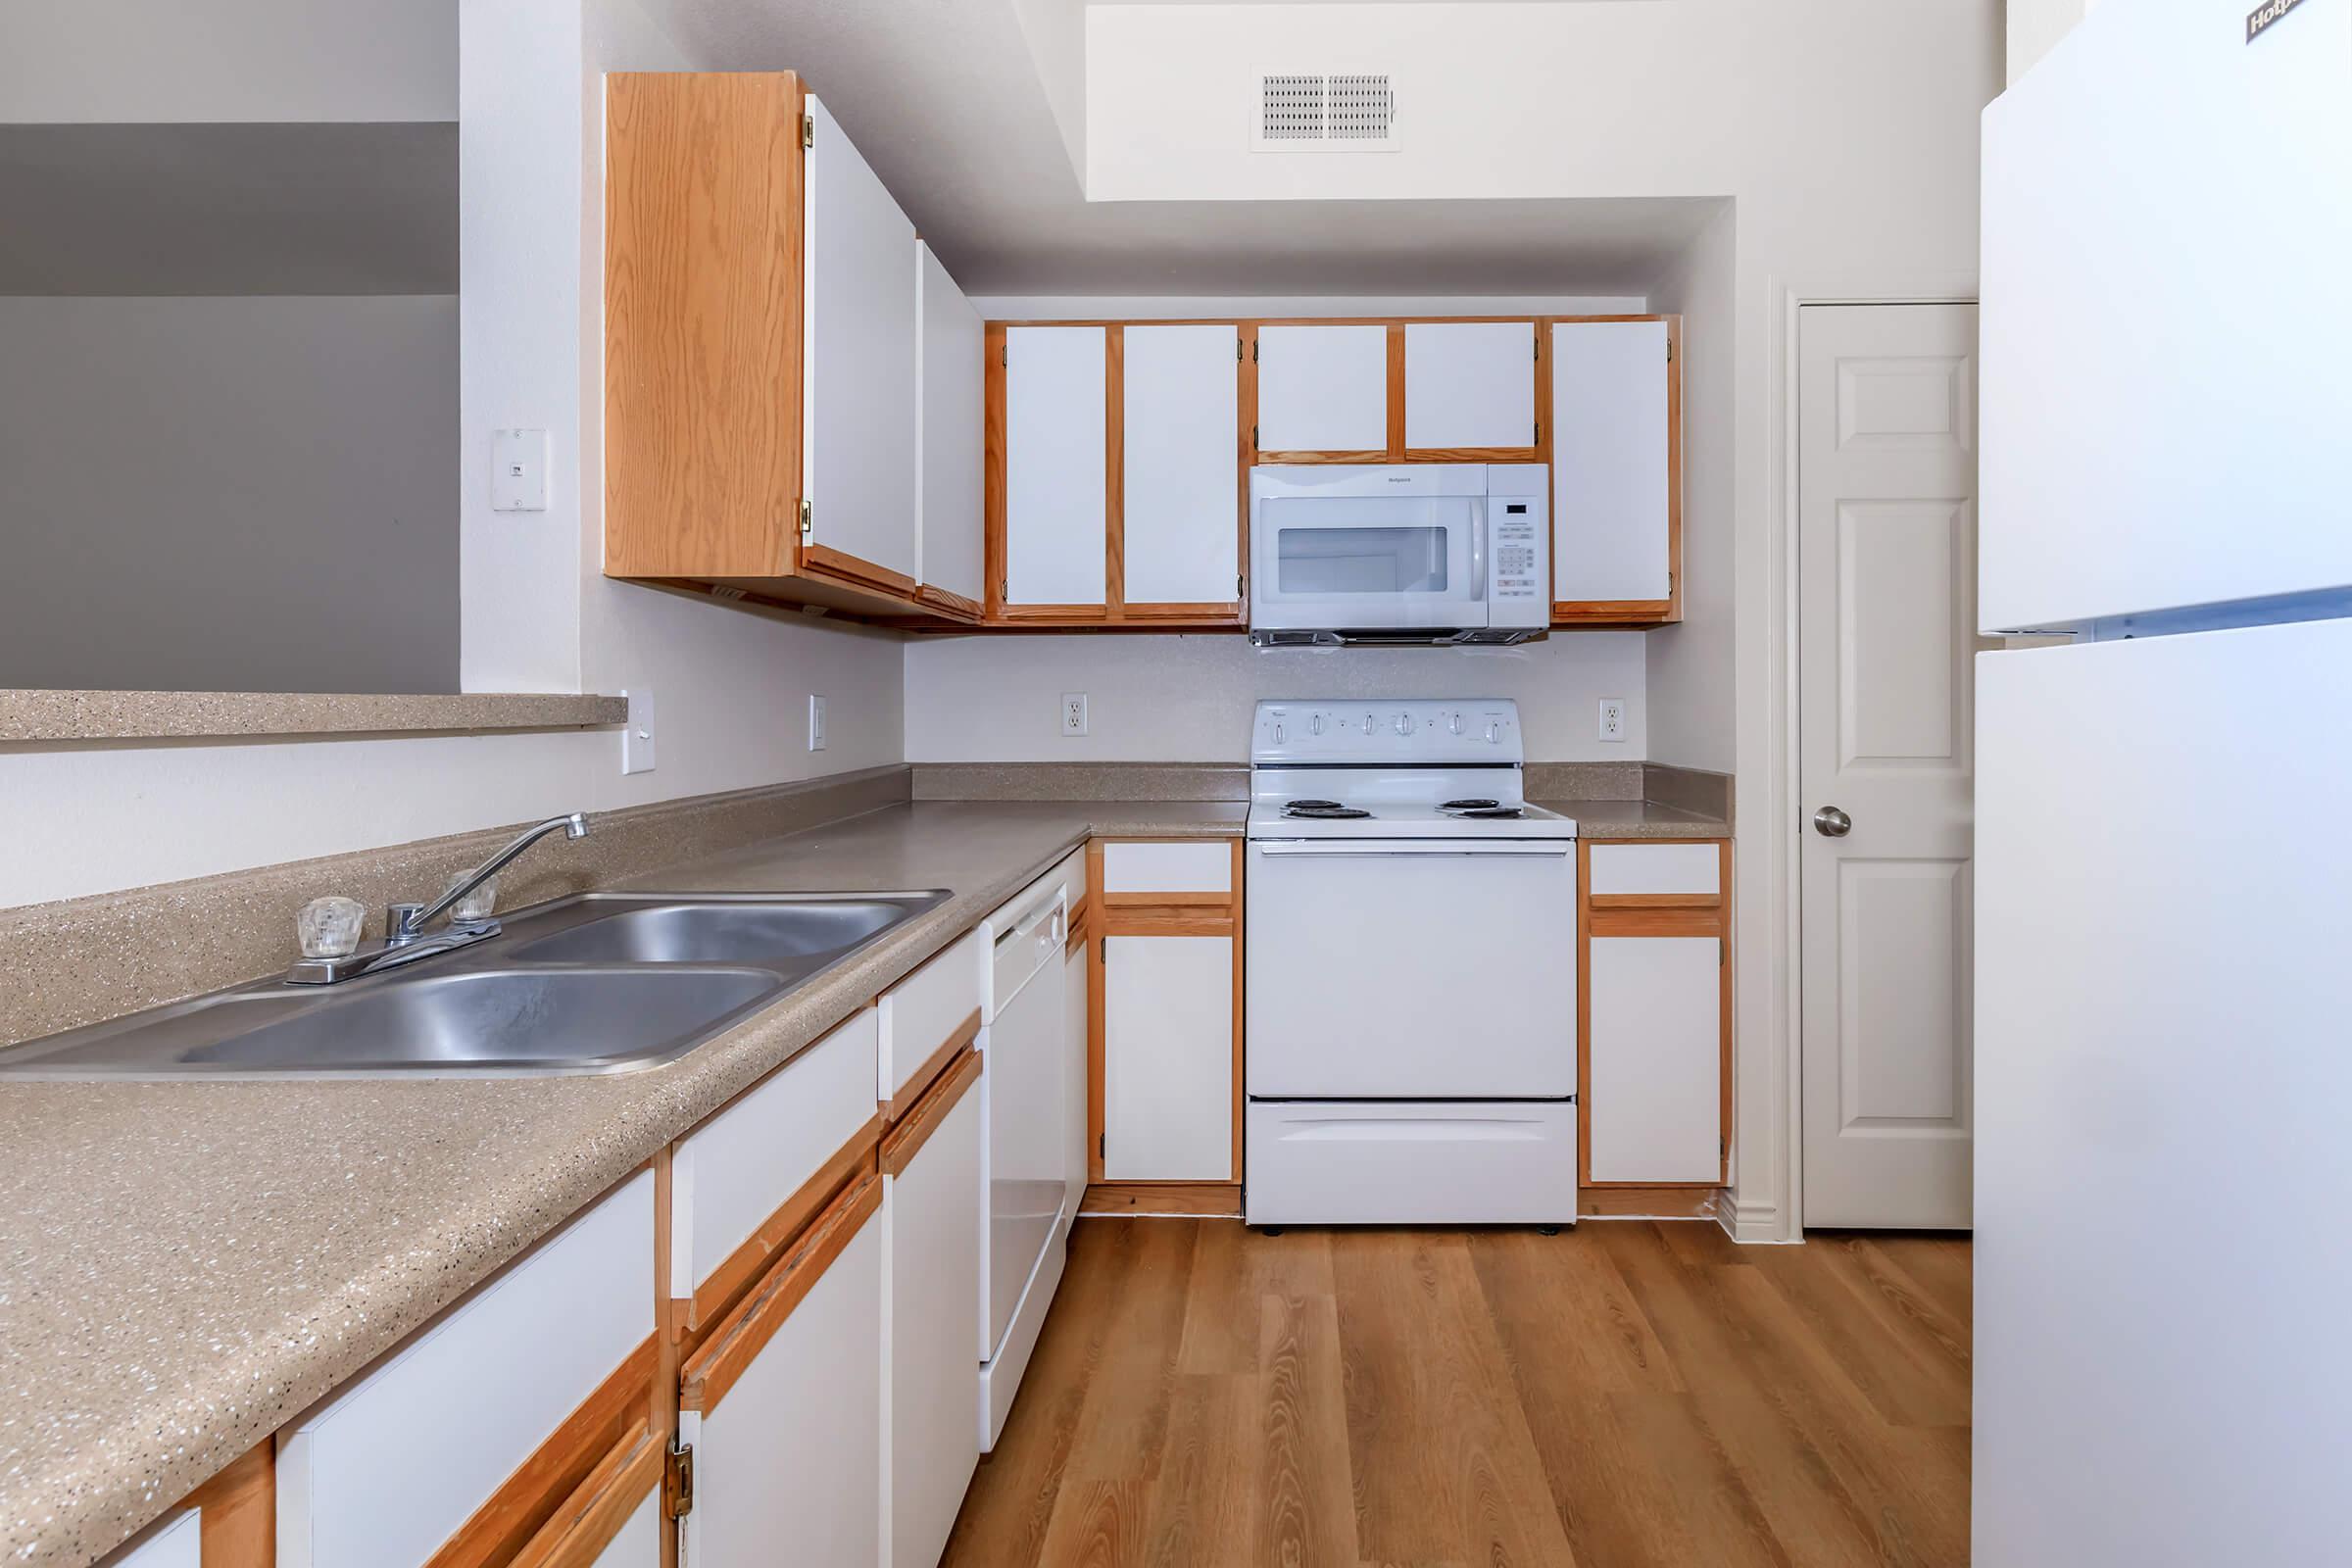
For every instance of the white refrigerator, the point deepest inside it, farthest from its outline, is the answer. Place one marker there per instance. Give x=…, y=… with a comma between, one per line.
x=2164, y=809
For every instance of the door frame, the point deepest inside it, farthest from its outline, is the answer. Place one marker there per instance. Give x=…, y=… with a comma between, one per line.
x=1781, y=1077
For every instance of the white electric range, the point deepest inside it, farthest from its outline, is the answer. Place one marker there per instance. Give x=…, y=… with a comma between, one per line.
x=1410, y=1006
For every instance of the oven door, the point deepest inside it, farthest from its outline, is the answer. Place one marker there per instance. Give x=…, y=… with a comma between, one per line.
x=1411, y=969
x=1343, y=549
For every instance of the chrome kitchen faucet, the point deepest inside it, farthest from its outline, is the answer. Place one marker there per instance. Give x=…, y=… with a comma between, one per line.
x=405, y=939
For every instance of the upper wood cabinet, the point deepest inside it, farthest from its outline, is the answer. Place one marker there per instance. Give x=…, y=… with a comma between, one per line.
x=1048, y=503
x=1183, y=509
x=1470, y=389
x=1117, y=473
x=949, y=476
x=1323, y=390
x=761, y=344
x=1616, y=469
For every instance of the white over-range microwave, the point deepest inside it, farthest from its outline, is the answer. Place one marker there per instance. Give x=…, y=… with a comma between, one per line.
x=1399, y=552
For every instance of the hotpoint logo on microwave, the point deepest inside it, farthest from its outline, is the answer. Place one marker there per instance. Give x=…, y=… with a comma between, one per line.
x=1401, y=478
x=2263, y=16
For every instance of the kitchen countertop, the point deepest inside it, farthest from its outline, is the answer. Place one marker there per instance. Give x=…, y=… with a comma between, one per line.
x=1636, y=819
x=187, y=1266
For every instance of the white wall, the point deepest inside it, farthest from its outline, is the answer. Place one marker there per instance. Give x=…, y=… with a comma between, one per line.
x=1186, y=699
x=1844, y=132
x=2035, y=26
x=1688, y=667
x=155, y=60
x=731, y=687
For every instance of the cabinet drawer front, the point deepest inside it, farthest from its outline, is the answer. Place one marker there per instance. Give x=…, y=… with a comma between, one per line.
x=1404, y=1162
x=922, y=1014
x=1657, y=1086
x=1200, y=867
x=1623, y=870
x=730, y=1175
x=395, y=1464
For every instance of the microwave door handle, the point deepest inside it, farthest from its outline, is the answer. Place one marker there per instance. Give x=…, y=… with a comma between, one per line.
x=1478, y=550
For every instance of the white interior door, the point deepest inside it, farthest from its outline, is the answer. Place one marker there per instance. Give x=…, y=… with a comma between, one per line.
x=1887, y=503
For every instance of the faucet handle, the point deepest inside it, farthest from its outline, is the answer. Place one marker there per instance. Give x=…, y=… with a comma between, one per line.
x=401, y=922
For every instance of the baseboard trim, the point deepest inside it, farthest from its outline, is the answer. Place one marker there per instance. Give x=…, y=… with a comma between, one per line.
x=1163, y=1200
x=1752, y=1223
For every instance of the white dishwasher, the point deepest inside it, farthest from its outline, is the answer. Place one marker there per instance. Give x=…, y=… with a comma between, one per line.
x=1022, y=1162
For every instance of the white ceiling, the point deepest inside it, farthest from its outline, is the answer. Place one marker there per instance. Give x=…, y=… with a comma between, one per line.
x=945, y=99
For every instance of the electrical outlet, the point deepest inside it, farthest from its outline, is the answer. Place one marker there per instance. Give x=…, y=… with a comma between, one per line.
x=1073, y=712
x=816, y=723
x=637, y=733
x=1612, y=719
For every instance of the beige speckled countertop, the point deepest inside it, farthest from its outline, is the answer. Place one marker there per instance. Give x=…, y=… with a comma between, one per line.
x=1636, y=819
x=185, y=1266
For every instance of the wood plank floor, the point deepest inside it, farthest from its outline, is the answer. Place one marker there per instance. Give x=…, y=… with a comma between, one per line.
x=1625, y=1395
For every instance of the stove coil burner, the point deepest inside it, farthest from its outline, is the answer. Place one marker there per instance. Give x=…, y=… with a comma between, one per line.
x=1323, y=811
x=1470, y=805
x=1481, y=811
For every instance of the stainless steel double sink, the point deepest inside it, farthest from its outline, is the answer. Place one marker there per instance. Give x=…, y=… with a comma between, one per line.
x=597, y=983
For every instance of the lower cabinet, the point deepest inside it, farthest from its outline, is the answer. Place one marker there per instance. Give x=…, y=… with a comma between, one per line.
x=782, y=1405
x=1167, y=1058
x=1656, y=1005
x=931, y=1221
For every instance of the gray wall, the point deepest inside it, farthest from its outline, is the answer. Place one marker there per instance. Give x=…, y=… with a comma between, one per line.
x=229, y=494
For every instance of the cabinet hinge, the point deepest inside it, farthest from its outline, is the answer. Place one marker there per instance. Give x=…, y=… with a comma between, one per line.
x=1004, y=354
x=1539, y=432
x=1722, y=952
x=1237, y=350
x=678, y=1483
x=1104, y=948
x=807, y=518
x=1670, y=351
x=1101, y=1146
x=1254, y=438
x=1239, y=587
x=1254, y=351
x=807, y=131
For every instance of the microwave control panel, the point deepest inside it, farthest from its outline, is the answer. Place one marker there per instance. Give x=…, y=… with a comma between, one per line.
x=1519, y=546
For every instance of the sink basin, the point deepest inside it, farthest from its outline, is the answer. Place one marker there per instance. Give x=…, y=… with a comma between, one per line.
x=518, y=1022
x=770, y=933
x=596, y=983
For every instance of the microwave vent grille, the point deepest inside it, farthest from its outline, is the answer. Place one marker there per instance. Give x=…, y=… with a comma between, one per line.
x=1333, y=112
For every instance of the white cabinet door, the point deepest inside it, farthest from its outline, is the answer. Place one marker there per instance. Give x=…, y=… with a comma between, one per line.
x=1167, y=1058
x=932, y=1217
x=857, y=392
x=1656, y=1085
x=950, y=478
x=788, y=1461
x=1612, y=462
x=176, y=1544
x=1323, y=388
x=1182, y=494
x=1469, y=385
x=1055, y=410
x=1077, y=1043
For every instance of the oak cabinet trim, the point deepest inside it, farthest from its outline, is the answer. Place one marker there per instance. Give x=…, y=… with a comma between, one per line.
x=907, y=1139
x=725, y=1284
x=911, y=1092
x=746, y=1331
x=585, y=1523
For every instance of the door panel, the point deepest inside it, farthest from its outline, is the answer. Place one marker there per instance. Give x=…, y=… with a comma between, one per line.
x=1887, y=550
x=1469, y=385
x=859, y=388
x=1656, y=1078
x=1167, y=1058
x=932, y=1219
x=1323, y=388
x=1613, y=457
x=951, y=476
x=1181, y=511
x=1055, y=414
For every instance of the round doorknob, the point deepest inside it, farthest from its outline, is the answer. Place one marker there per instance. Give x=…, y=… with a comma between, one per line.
x=1832, y=823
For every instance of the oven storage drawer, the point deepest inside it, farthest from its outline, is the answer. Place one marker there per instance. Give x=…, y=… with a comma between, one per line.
x=1429, y=1163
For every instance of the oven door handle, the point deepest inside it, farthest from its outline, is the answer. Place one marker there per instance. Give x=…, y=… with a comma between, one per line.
x=1551, y=849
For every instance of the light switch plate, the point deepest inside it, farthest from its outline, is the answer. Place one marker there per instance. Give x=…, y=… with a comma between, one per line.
x=518, y=470
x=1073, y=712
x=816, y=723
x=637, y=734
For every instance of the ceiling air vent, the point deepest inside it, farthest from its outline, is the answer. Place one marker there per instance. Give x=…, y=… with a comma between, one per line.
x=1341, y=111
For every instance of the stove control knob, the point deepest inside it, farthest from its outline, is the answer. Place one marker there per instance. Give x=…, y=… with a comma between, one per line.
x=1493, y=734
x=1454, y=724
x=1404, y=723
x=1369, y=722
x=1279, y=736
x=1314, y=725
